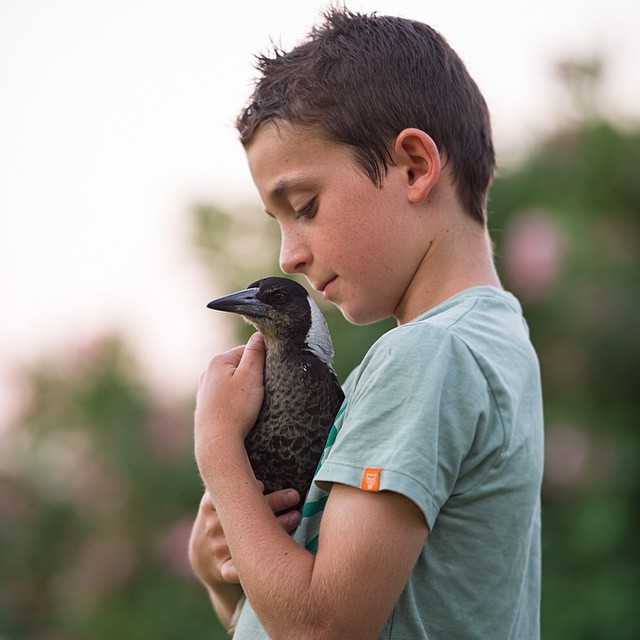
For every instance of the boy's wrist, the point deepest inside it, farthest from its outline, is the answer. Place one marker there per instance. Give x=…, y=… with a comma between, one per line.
x=215, y=453
x=224, y=468
x=227, y=600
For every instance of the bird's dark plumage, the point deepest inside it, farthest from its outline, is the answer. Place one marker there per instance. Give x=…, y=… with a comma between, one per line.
x=302, y=393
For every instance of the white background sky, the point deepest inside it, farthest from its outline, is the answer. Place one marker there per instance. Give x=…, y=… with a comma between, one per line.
x=117, y=115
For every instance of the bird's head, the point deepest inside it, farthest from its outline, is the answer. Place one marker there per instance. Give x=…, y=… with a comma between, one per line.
x=282, y=310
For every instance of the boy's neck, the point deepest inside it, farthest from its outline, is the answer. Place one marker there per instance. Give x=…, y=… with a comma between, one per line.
x=458, y=259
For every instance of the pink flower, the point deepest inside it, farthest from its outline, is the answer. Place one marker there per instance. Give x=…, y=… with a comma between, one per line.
x=533, y=254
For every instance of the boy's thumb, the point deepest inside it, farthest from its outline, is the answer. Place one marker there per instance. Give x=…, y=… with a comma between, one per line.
x=253, y=355
x=256, y=342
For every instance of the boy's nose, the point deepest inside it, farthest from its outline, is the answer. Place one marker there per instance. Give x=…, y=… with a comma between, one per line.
x=294, y=255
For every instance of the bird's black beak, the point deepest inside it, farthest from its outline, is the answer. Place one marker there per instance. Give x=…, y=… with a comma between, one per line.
x=244, y=302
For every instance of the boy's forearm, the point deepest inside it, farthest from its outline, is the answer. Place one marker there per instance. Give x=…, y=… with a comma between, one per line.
x=275, y=572
x=209, y=557
x=225, y=599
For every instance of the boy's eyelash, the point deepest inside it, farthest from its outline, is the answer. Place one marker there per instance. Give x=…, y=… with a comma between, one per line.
x=308, y=211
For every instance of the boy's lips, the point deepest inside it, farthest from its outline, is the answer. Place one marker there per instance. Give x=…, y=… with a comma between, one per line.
x=324, y=288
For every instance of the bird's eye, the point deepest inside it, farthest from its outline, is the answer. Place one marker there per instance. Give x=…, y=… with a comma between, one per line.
x=279, y=297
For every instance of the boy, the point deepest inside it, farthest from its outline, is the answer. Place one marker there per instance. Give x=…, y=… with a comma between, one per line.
x=371, y=147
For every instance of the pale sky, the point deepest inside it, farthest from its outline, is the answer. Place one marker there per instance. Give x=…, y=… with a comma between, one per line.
x=117, y=115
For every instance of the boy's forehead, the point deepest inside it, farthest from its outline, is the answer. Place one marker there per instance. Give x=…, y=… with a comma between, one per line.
x=285, y=130
x=284, y=156
x=283, y=141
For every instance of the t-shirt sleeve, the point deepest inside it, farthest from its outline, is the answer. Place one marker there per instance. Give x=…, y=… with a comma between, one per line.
x=411, y=417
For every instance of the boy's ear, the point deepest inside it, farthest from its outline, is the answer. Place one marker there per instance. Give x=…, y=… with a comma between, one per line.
x=417, y=154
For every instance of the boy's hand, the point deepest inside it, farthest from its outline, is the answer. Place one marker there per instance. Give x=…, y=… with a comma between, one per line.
x=229, y=398
x=208, y=550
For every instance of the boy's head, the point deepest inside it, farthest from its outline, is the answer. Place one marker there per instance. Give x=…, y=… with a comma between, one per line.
x=360, y=80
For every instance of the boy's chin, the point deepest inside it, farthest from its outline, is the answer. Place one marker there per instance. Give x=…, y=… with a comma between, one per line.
x=362, y=317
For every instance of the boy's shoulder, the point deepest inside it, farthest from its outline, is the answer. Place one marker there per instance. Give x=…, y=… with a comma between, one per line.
x=473, y=316
x=479, y=330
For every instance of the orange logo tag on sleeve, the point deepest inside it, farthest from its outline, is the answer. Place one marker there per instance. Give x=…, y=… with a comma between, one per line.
x=371, y=480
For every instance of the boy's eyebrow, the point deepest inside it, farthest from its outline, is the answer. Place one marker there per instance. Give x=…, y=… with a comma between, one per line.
x=283, y=185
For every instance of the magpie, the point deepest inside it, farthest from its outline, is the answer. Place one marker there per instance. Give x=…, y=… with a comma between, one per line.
x=301, y=391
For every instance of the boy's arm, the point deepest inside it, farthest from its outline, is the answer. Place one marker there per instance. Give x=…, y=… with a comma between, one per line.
x=210, y=557
x=369, y=542
x=211, y=562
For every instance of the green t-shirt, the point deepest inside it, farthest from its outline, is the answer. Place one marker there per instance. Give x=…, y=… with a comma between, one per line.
x=447, y=411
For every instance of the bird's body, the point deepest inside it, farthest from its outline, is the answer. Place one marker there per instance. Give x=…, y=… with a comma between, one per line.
x=301, y=392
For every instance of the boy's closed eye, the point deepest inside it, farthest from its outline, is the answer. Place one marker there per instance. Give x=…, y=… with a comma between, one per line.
x=308, y=210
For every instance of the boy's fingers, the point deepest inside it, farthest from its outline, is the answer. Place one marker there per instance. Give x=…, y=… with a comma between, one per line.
x=228, y=571
x=206, y=504
x=289, y=521
x=228, y=359
x=253, y=353
x=256, y=342
x=283, y=499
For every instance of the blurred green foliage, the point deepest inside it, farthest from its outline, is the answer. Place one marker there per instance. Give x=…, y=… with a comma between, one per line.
x=98, y=491
x=580, y=194
x=98, y=486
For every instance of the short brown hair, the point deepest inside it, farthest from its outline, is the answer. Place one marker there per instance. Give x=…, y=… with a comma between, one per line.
x=361, y=79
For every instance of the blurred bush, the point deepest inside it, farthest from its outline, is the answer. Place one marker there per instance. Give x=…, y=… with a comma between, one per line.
x=567, y=226
x=98, y=490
